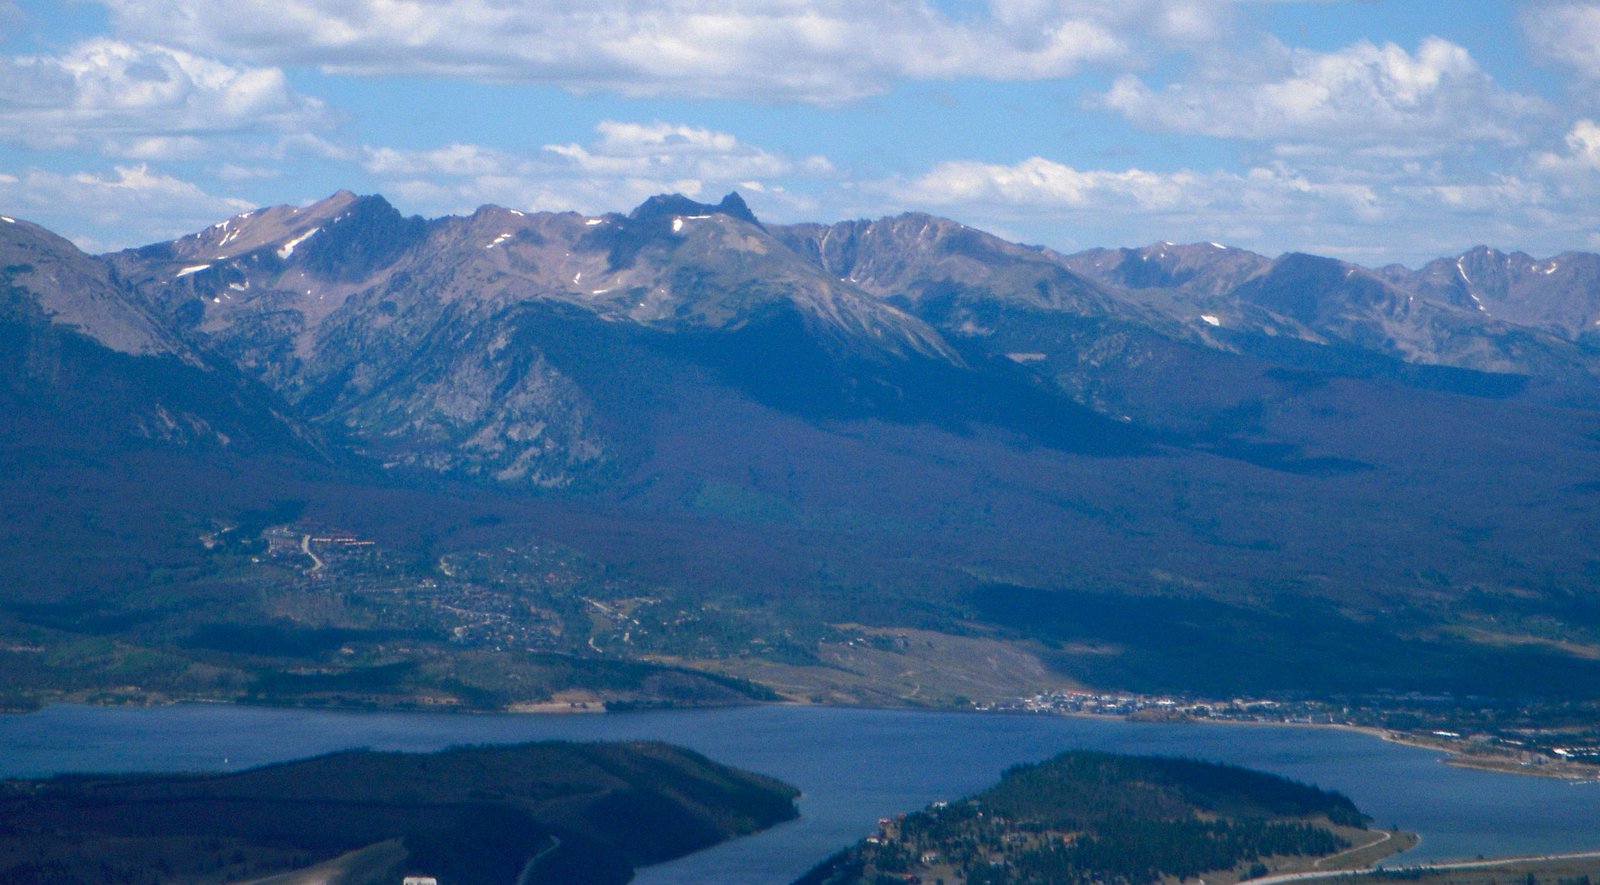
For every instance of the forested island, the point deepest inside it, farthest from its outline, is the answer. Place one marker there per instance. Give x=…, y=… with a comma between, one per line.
x=530, y=813
x=1087, y=817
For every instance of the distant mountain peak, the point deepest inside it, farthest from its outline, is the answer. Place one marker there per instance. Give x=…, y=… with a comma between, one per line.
x=660, y=220
x=281, y=229
x=668, y=205
x=340, y=201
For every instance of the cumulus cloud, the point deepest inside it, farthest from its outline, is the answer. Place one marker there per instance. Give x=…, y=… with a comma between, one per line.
x=1038, y=185
x=1362, y=95
x=1368, y=217
x=655, y=149
x=1038, y=182
x=1567, y=34
x=822, y=51
x=1497, y=194
x=241, y=172
x=1568, y=176
x=149, y=99
x=625, y=163
x=126, y=206
x=1582, y=154
x=454, y=159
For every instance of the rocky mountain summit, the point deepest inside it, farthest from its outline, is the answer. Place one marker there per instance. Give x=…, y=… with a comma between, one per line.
x=418, y=341
x=423, y=342
x=405, y=333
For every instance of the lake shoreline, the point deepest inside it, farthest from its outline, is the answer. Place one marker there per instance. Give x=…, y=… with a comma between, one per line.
x=853, y=765
x=1571, y=772
x=589, y=705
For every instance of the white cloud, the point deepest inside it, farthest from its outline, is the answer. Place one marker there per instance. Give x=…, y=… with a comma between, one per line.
x=654, y=149
x=134, y=95
x=1408, y=215
x=1566, y=34
x=311, y=145
x=1568, y=178
x=240, y=172
x=1040, y=186
x=822, y=51
x=1498, y=194
x=1361, y=95
x=454, y=159
x=160, y=147
x=1582, y=156
x=625, y=163
x=127, y=206
x=1038, y=182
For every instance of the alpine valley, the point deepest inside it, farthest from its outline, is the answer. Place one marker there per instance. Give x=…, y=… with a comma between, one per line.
x=334, y=455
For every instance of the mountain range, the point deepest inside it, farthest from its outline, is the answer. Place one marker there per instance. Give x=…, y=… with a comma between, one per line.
x=1131, y=463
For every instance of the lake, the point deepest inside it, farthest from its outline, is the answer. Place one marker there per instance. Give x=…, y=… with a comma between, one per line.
x=853, y=765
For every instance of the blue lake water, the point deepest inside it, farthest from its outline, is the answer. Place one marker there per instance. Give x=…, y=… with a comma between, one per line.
x=853, y=766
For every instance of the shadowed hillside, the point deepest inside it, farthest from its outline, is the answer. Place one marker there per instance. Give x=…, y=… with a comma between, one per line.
x=551, y=812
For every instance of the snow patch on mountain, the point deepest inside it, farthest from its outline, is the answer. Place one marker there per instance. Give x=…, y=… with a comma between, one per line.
x=288, y=248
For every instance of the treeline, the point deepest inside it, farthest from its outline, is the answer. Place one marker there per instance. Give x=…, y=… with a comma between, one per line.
x=1137, y=852
x=1087, y=818
x=470, y=816
x=1081, y=788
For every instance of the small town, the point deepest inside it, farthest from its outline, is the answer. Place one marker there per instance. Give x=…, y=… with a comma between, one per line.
x=1402, y=719
x=1161, y=707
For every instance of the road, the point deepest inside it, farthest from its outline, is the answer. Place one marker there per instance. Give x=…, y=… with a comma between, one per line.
x=527, y=868
x=1453, y=865
x=1376, y=842
x=305, y=547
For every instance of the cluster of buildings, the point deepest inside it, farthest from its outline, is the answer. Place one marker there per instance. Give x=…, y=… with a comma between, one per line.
x=308, y=541
x=472, y=613
x=1124, y=704
x=1488, y=745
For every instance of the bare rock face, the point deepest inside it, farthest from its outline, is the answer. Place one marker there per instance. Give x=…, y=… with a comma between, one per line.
x=475, y=400
x=913, y=258
x=382, y=326
x=403, y=332
x=65, y=287
x=1559, y=295
x=415, y=338
x=89, y=365
x=1483, y=311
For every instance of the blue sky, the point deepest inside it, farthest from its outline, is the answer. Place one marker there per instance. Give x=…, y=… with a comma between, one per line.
x=1373, y=131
